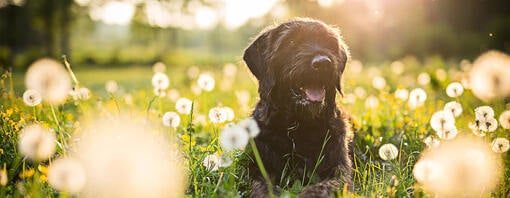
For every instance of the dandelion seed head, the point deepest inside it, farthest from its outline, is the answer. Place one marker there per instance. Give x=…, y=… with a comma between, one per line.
x=251, y=126
x=196, y=89
x=173, y=94
x=397, y=67
x=379, y=82
x=388, y=152
x=159, y=67
x=447, y=133
x=128, y=98
x=230, y=113
x=488, y=76
x=462, y=167
x=488, y=125
x=454, y=89
x=371, y=102
x=229, y=70
x=225, y=161
x=349, y=98
x=67, y=174
x=124, y=158
x=206, y=82
x=427, y=170
x=37, y=142
x=31, y=97
x=211, y=162
x=441, y=74
x=423, y=79
x=160, y=81
x=431, y=141
x=111, y=86
x=159, y=92
x=193, y=72
x=355, y=66
x=360, y=92
x=454, y=108
x=417, y=98
x=50, y=79
x=243, y=97
x=402, y=94
x=476, y=129
x=171, y=119
x=218, y=115
x=183, y=106
x=465, y=65
x=84, y=93
x=484, y=112
x=500, y=145
x=504, y=119
x=233, y=137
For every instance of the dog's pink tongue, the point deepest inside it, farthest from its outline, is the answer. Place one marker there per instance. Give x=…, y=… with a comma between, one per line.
x=315, y=94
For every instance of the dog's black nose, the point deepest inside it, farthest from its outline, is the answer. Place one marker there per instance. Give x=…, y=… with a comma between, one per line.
x=321, y=62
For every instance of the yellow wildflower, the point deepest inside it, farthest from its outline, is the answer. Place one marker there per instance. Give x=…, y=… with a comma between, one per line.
x=69, y=116
x=43, y=178
x=27, y=173
x=42, y=169
x=8, y=112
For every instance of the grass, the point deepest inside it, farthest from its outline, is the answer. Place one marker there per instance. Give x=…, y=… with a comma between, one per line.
x=390, y=122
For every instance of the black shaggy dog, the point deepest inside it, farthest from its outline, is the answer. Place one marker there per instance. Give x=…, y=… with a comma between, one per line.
x=299, y=65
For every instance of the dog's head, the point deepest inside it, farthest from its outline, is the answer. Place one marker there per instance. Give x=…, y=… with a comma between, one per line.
x=299, y=65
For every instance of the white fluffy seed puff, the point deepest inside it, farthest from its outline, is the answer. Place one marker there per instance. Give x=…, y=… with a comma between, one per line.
x=32, y=97
x=233, y=137
x=417, y=98
x=206, y=82
x=37, y=143
x=183, y=105
x=454, y=89
x=388, y=152
x=50, y=79
x=453, y=107
x=251, y=126
x=160, y=81
x=171, y=119
x=67, y=174
x=218, y=115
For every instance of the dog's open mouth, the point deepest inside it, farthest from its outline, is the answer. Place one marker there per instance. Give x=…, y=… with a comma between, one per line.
x=314, y=93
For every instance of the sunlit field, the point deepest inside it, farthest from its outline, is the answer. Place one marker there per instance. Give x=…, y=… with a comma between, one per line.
x=153, y=98
x=167, y=131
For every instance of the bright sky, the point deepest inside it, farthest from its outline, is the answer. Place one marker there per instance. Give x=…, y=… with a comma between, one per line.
x=232, y=13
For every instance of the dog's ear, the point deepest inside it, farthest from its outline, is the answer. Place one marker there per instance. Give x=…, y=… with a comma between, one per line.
x=344, y=58
x=254, y=56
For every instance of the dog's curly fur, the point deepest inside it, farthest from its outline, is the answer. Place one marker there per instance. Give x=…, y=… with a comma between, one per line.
x=300, y=137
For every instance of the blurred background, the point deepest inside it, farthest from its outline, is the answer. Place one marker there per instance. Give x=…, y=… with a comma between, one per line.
x=106, y=33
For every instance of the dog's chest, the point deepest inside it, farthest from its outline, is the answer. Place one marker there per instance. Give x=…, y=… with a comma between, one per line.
x=308, y=142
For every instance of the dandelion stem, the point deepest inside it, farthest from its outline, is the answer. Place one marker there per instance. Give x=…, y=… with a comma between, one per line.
x=149, y=108
x=261, y=167
x=68, y=67
x=218, y=184
x=35, y=114
x=60, y=129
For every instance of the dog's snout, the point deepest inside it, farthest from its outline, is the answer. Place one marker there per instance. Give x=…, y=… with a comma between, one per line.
x=321, y=62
